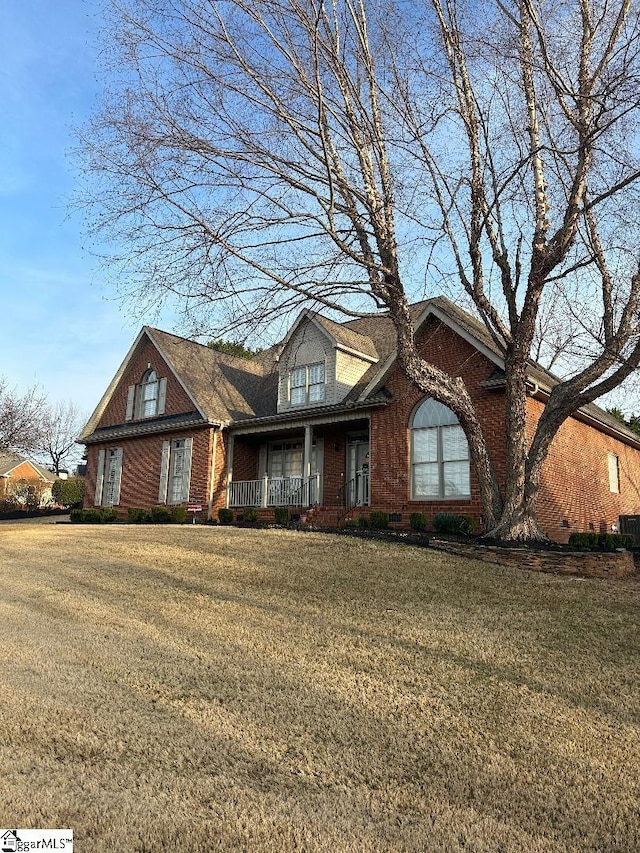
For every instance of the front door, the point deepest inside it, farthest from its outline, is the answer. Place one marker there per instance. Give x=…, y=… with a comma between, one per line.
x=358, y=471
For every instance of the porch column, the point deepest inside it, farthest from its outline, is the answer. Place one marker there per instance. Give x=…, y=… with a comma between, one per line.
x=306, y=462
x=229, y=469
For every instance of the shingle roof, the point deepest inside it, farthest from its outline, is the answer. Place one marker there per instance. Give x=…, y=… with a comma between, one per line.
x=10, y=460
x=225, y=387
x=348, y=337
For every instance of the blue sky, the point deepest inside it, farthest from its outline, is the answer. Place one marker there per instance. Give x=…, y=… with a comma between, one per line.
x=61, y=330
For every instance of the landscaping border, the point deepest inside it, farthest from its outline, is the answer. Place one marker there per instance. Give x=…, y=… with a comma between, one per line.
x=587, y=564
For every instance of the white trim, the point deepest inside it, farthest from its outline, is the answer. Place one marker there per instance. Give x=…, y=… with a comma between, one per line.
x=108, y=394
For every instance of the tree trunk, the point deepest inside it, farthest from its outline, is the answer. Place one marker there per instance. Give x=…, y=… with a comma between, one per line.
x=518, y=521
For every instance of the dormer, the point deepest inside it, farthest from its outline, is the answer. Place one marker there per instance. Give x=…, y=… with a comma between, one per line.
x=320, y=363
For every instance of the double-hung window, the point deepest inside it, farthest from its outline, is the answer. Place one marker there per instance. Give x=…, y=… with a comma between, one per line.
x=439, y=454
x=307, y=384
x=149, y=395
x=175, y=471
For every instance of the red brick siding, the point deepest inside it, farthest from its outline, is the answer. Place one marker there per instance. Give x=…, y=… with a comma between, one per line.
x=141, y=461
x=575, y=479
x=219, y=475
x=335, y=463
x=390, y=434
x=177, y=399
x=246, y=453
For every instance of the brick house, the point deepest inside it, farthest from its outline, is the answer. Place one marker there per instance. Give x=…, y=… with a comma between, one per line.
x=18, y=474
x=326, y=424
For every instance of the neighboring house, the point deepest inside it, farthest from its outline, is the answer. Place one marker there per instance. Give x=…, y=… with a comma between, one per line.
x=18, y=474
x=326, y=420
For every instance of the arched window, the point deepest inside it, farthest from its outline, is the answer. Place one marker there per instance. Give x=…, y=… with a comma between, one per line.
x=149, y=395
x=439, y=454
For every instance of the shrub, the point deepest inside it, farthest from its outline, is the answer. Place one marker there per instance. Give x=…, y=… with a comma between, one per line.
x=417, y=521
x=449, y=522
x=160, y=515
x=363, y=521
x=281, y=515
x=109, y=515
x=250, y=515
x=611, y=541
x=77, y=516
x=136, y=515
x=68, y=492
x=351, y=522
x=584, y=541
x=92, y=516
x=379, y=520
x=178, y=514
x=601, y=541
x=225, y=516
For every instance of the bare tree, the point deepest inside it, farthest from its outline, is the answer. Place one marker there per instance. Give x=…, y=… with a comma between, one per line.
x=254, y=156
x=20, y=418
x=60, y=425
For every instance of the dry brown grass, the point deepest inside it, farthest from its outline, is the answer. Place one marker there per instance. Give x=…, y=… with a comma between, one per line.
x=203, y=689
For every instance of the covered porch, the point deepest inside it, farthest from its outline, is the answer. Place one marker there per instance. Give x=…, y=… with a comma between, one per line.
x=299, y=466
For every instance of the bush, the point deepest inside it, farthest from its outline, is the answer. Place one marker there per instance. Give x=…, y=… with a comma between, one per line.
x=109, y=515
x=281, y=515
x=250, y=515
x=68, y=492
x=77, y=516
x=91, y=516
x=136, y=515
x=225, y=516
x=363, y=521
x=600, y=541
x=179, y=514
x=379, y=520
x=351, y=522
x=448, y=522
x=160, y=515
x=417, y=521
x=584, y=541
x=611, y=541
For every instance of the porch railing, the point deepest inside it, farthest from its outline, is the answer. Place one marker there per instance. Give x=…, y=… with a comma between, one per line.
x=355, y=492
x=275, y=491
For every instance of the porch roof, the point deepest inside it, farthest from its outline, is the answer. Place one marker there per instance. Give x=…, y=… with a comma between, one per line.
x=326, y=415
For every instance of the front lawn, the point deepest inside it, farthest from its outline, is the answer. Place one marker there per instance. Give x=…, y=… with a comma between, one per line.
x=198, y=689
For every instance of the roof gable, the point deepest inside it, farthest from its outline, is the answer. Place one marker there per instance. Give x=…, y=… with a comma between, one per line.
x=221, y=387
x=10, y=462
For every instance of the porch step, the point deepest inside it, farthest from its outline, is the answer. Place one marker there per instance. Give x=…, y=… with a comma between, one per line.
x=326, y=516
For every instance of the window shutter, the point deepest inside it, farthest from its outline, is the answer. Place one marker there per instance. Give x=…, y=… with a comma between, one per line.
x=118, y=477
x=99, y=479
x=131, y=393
x=186, y=476
x=162, y=395
x=164, y=472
